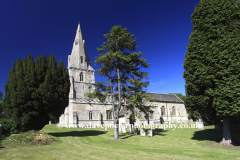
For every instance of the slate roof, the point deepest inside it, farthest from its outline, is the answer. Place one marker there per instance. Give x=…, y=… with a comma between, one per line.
x=159, y=97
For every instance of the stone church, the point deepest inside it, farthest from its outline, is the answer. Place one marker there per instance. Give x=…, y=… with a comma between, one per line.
x=169, y=107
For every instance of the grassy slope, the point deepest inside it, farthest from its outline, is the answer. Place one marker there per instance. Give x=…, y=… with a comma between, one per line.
x=99, y=144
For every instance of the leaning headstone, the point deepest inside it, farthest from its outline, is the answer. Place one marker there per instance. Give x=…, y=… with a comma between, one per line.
x=150, y=132
x=191, y=121
x=142, y=132
x=0, y=130
x=200, y=125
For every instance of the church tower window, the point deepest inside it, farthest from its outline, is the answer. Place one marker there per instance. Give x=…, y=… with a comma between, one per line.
x=81, y=59
x=90, y=115
x=81, y=77
x=83, y=87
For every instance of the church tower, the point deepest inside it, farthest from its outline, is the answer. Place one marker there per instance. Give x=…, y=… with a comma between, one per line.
x=80, y=71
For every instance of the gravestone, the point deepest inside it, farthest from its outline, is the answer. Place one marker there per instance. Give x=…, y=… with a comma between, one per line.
x=123, y=128
x=49, y=122
x=135, y=130
x=191, y=121
x=142, y=132
x=186, y=122
x=120, y=128
x=200, y=125
x=0, y=130
x=150, y=132
x=161, y=120
x=180, y=122
x=130, y=129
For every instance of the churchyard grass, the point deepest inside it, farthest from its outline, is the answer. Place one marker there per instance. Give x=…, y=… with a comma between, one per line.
x=95, y=143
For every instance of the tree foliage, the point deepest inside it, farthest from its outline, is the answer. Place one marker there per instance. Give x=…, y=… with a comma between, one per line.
x=1, y=101
x=121, y=65
x=212, y=60
x=35, y=91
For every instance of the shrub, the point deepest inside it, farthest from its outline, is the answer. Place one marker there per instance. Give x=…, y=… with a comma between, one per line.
x=8, y=127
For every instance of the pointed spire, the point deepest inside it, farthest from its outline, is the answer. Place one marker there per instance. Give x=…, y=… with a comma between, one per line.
x=79, y=56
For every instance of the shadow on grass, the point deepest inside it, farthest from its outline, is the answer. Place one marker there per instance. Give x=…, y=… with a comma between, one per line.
x=78, y=133
x=159, y=132
x=216, y=135
x=125, y=136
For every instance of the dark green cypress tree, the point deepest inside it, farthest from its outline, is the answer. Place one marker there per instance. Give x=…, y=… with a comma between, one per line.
x=63, y=88
x=35, y=91
x=49, y=87
x=30, y=111
x=20, y=94
x=10, y=89
x=1, y=100
x=40, y=69
x=211, y=62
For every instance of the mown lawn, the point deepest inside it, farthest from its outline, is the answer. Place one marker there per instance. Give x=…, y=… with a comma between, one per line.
x=97, y=143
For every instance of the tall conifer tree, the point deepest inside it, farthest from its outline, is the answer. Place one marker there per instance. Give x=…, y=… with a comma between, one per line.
x=121, y=66
x=212, y=62
x=1, y=101
x=35, y=91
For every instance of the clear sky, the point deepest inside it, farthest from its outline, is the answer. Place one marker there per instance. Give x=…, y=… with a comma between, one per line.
x=162, y=29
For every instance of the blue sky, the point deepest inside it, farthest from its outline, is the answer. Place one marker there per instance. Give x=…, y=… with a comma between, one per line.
x=162, y=29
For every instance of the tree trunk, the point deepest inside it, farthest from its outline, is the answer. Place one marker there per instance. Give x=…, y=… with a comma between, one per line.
x=226, y=141
x=116, y=127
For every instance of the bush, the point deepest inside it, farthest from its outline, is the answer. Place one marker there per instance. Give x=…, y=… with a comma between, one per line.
x=8, y=127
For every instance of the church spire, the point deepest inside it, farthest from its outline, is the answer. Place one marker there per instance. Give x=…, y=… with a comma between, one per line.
x=79, y=57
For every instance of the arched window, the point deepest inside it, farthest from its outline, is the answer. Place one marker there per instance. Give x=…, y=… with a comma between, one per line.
x=174, y=110
x=109, y=114
x=81, y=77
x=81, y=59
x=90, y=115
x=109, y=98
x=163, y=111
x=151, y=115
